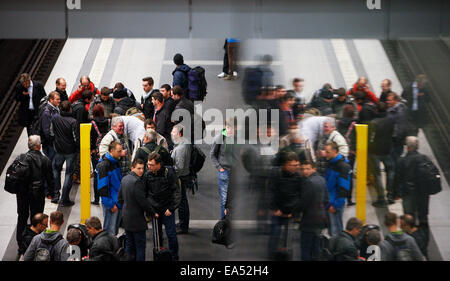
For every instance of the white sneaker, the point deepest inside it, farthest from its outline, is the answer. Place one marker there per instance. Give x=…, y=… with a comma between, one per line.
x=234, y=73
x=221, y=75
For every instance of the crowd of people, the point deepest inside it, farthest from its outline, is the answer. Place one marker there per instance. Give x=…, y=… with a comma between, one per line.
x=142, y=162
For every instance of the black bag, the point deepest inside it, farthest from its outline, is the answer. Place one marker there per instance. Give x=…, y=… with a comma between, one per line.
x=159, y=253
x=326, y=253
x=197, y=83
x=221, y=232
x=17, y=174
x=197, y=159
x=283, y=252
x=429, y=177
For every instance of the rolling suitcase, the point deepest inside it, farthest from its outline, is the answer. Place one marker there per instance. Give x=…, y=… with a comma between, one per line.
x=159, y=253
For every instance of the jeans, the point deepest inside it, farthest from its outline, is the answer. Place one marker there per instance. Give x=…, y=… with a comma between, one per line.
x=58, y=162
x=111, y=220
x=171, y=232
x=310, y=246
x=50, y=152
x=275, y=233
x=223, y=180
x=389, y=169
x=183, y=209
x=135, y=244
x=336, y=225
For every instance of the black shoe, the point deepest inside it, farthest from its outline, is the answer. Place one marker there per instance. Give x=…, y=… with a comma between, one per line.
x=379, y=204
x=55, y=200
x=182, y=231
x=351, y=203
x=67, y=204
x=95, y=203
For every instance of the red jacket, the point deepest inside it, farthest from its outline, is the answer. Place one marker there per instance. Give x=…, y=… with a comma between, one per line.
x=369, y=94
x=76, y=95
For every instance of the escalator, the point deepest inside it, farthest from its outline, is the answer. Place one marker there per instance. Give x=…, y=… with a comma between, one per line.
x=431, y=57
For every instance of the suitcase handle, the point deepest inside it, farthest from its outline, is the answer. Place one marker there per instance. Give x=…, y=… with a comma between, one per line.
x=156, y=234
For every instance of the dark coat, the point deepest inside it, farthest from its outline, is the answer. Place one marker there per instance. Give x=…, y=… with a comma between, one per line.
x=170, y=105
x=148, y=108
x=28, y=236
x=422, y=101
x=80, y=113
x=103, y=125
x=344, y=247
x=313, y=199
x=46, y=119
x=62, y=95
x=124, y=104
x=180, y=78
x=134, y=203
x=67, y=135
x=40, y=168
x=380, y=136
x=285, y=191
x=406, y=180
x=161, y=188
x=24, y=117
x=103, y=247
x=164, y=124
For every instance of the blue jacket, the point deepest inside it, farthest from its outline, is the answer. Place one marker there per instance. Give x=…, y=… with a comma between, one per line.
x=180, y=78
x=109, y=176
x=337, y=176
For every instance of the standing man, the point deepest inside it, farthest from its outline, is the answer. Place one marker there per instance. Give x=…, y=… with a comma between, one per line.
x=397, y=113
x=162, y=184
x=146, y=99
x=50, y=111
x=29, y=94
x=385, y=89
x=61, y=89
x=180, y=74
x=407, y=185
x=67, y=143
x=161, y=116
x=31, y=196
x=313, y=199
x=300, y=100
x=418, y=97
x=109, y=178
x=85, y=84
x=105, y=100
x=166, y=92
x=181, y=156
x=132, y=197
x=337, y=176
x=221, y=156
x=117, y=134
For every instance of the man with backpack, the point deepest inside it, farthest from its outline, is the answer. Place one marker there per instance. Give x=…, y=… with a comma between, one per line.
x=181, y=156
x=149, y=146
x=397, y=245
x=191, y=80
x=29, y=183
x=105, y=100
x=180, y=74
x=416, y=178
x=343, y=246
x=67, y=143
x=50, y=244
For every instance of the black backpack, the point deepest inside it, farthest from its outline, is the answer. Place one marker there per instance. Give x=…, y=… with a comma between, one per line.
x=197, y=159
x=221, y=232
x=197, y=83
x=429, y=177
x=17, y=174
x=44, y=251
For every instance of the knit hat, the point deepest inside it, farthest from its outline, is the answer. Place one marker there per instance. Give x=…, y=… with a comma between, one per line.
x=178, y=59
x=119, y=94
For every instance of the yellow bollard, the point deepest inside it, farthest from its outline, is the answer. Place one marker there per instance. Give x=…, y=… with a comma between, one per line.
x=85, y=169
x=361, y=171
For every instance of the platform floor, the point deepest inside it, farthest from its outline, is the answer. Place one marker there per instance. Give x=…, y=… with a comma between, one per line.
x=336, y=61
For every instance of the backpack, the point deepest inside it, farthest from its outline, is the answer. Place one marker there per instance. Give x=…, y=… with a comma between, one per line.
x=99, y=138
x=252, y=83
x=45, y=251
x=429, y=177
x=401, y=250
x=197, y=83
x=326, y=253
x=17, y=174
x=197, y=159
x=221, y=232
x=132, y=111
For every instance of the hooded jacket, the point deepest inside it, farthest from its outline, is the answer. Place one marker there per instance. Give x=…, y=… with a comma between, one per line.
x=180, y=78
x=337, y=176
x=49, y=237
x=46, y=120
x=109, y=177
x=403, y=240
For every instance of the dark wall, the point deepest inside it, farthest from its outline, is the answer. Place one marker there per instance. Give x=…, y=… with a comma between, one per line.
x=218, y=19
